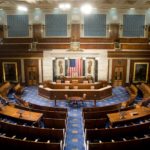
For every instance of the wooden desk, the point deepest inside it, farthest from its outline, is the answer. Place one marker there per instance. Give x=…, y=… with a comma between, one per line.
x=91, y=94
x=27, y=116
x=129, y=115
x=54, y=85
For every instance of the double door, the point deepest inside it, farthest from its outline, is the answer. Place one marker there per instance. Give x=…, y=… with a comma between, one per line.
x=118, y=76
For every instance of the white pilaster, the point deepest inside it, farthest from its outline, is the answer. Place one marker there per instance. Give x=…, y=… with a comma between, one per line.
x=110, y=71
x=40, y=70
x=22, y=70
x=128, y=71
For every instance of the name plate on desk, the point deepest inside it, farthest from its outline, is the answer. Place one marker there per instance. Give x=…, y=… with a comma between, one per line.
x=134, y=113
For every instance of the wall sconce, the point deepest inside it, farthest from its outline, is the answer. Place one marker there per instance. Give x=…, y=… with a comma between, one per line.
x=121, y=26
x=107, y=26
x=43, y=26
x=145, y=27
x=30, y=26
x=68, y=26
x=6, y=27
x=82, y=25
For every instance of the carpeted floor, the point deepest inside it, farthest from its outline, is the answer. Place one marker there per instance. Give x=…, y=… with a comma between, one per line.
x=75, y=133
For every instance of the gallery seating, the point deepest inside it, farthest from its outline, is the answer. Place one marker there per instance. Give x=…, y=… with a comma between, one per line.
x=23, y=144
x=5, y=88
x=102, y=114
x=145, y=89
x=18, y=89
x=132, y=89
x=30, y=132
x=103, y=108
x=123, y=144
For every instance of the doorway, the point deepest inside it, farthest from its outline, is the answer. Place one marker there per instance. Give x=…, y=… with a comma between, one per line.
x=32, y=76
x=118, y=76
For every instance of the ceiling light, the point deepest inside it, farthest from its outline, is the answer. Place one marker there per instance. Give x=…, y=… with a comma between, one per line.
x=64, y=6
x=31, y=1
x=86, y=9
x=22, y=8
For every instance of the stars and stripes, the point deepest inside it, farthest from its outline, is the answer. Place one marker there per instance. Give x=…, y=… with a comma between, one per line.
x=75, y=67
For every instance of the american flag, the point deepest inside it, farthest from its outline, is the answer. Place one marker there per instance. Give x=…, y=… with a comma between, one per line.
x=75, y=68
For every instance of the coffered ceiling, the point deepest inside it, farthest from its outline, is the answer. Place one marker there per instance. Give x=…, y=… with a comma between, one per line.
x=100, y=4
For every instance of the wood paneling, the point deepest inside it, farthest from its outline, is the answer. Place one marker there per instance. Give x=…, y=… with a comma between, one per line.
x=15, y=54
x=54, y=40
x=119, y=63
x=53, y=46
x=14, y=46
x=129, y=54
x=149, y=33
x=31, y=63
x=97, y=46
x=60, y=93
x=1, y=31
x=96, y=40
x=133, y=40
x=136, y=46
x=18, y=40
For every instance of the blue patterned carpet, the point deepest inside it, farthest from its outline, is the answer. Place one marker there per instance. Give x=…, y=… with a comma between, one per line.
x=74, y=135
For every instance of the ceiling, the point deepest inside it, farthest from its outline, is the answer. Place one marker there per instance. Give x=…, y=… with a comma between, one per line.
x=100, y=4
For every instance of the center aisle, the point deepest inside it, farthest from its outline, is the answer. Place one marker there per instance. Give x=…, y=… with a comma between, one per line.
x=74, y=135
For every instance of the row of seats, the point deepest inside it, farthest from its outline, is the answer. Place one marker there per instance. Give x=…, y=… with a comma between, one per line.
x=145, y=90
x=4, y=89
x=99, y=136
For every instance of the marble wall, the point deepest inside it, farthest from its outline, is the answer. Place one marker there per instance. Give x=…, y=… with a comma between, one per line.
x=100, y=56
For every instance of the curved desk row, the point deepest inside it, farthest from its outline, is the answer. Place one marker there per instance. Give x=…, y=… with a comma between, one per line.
x=20, y=114
x=91, y=94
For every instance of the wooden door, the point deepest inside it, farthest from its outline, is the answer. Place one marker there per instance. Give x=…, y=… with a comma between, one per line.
x=118, y=76
x=119, y=67
x=32, y=78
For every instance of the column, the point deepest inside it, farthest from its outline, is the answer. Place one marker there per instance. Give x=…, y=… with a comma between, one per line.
x=110, y=71
x=40, y=70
